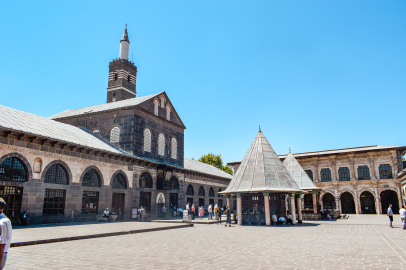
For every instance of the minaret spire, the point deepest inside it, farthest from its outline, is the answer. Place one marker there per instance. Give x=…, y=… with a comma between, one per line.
x=124, y=45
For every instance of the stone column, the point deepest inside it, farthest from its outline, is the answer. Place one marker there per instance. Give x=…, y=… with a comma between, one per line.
x=292, y=207
x=316, y=170
x=352, y=167
x=267, y=210
x=228, y=201
x=239, y=208
x=372, y=170
x=333, y=168
x=314, y=201
x=377, y=204
x=356, y=201
x=336, y=199
x=400, y=197
x=299, y=207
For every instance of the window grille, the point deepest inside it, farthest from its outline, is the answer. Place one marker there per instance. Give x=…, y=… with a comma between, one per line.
x=190, y=191
x=162, y=102
x=201, y=191
x=147, y=140
x=174, y=153
x=310, y=174
x=156, y=107
x=90, y=202
x=146, y=180
x=54, y=202
x=12, y=169
x=344, y=174
x=161, y=145
x=325, y=175
x=115, y=135
x=363, y=173
x=168, y=113
x=91, y=179
x=57, y=175
x=119, y=182
x=385, y=171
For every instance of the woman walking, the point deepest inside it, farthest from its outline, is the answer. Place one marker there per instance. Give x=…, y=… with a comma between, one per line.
x=201, y=212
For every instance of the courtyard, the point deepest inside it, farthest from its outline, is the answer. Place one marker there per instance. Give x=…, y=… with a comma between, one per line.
x=360, y=242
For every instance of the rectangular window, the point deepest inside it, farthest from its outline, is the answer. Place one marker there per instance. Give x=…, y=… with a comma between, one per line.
x=325, y=175
x=54, y=202
x=344, y=174
x=90, y=202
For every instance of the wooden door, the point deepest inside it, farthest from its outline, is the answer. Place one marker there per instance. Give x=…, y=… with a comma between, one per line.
x=117, y=205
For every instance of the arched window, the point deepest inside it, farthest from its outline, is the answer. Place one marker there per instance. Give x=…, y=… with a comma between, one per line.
x=162, y=102
x=385, y=171
x=219, y=195
x=309, y=173
x=91, y=179
x=363, y=173
x=156, y=107
x=190, y=191
x=161, y=145
x=175, y=183
x=174, y=152
x=147, y=140
x=325, y=175
x=211, y=192
x=146, y=180
x=201, y=191
x=344, y=174
x=12, y=169
x=168, y=113
x=57, y=175
x=119, y=181
x=115, y=135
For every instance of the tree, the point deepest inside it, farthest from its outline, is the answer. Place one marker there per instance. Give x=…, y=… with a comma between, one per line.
x=216, y=161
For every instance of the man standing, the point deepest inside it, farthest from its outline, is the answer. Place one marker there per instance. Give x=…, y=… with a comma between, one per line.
x=163, y=212
x=390, y=215
x=188, y=208
x=228, y=214
x=402, y=213
x=5, y=234
x=106, y=214
x=210, y=209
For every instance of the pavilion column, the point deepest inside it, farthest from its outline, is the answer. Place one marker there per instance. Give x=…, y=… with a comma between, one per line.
x=314, y=201
x=378, y=207
x=267, y=210
x=228, y=201
x=292, y=207
x=239, y=208
x=299, y=207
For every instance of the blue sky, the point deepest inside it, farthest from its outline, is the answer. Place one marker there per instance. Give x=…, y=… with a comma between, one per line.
x=315, y=75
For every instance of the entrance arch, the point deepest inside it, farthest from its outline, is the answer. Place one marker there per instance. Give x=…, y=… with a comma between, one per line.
x=328, y=202
x=367, y=201
x=347, y=203
x=389, y=197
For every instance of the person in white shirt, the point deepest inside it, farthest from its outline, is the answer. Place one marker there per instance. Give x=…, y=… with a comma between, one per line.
x=289, y=219
x=390, y=215
x=6, y=233
x=274, y=219
x=402, y=213
x=106, y=214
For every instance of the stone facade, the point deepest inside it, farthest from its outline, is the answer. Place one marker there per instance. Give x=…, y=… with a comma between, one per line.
x=122, y=80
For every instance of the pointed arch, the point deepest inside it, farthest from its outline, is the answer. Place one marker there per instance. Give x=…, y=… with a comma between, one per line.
x=156, y=105
x=147, y=140
x=201, y=192
x=119, y=180
x=168, y=113
x=174, y=148
x=211, y=192
x=190, y=191
x=161, y=144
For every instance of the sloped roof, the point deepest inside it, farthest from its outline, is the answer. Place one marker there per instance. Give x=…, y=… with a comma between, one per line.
x=29, y=123
x=262, y=171
x=298, y=174
x=104, y=107
x=198, y=166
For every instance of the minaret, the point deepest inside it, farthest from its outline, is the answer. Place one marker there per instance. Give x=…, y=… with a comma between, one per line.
x=122, y=74
x=124, y=45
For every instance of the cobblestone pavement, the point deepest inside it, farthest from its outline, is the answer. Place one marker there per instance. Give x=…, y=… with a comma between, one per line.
x=363, y=242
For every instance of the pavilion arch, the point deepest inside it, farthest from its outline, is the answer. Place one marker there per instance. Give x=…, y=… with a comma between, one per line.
x=97, y=170
x=123, y=174
x=55, y=162
x=25, y=162
x=389, y=196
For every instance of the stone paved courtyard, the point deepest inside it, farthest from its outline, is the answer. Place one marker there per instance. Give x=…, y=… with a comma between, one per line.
x=361, y=242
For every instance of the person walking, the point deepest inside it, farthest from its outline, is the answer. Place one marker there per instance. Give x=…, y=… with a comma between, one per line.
x=6, y=233
x=389, y=213
x=210, y=210
x=163, y=212
x=201, y=212
x=402, y=213
x=193, y=211
x=228, y=215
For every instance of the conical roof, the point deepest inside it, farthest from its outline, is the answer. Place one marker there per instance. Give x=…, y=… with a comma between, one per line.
x=125, y=35
x=261, y=171
x=299, y=175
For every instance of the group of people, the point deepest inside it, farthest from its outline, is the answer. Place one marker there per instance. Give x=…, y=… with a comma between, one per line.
x=212, y=211
x=402, y=213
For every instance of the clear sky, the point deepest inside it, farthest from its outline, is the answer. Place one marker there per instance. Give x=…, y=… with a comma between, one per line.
x=315, y=75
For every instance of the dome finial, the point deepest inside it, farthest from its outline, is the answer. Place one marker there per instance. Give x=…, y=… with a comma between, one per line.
x=289, y=149
x=259, y=127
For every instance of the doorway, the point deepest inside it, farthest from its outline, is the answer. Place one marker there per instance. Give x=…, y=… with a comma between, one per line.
x=367, y=203
x=201, y=202
x=347, y=203
x=329, y=202
x=13, y=197
x=117, y=205
x=389, y=197
x=173, y=197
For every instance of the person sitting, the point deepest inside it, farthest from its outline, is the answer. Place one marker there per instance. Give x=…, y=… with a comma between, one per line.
x=289, y=219
x=274, y=219
x=281, y=220
x=328, y=216
x=24, y=218
x=106, y=214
